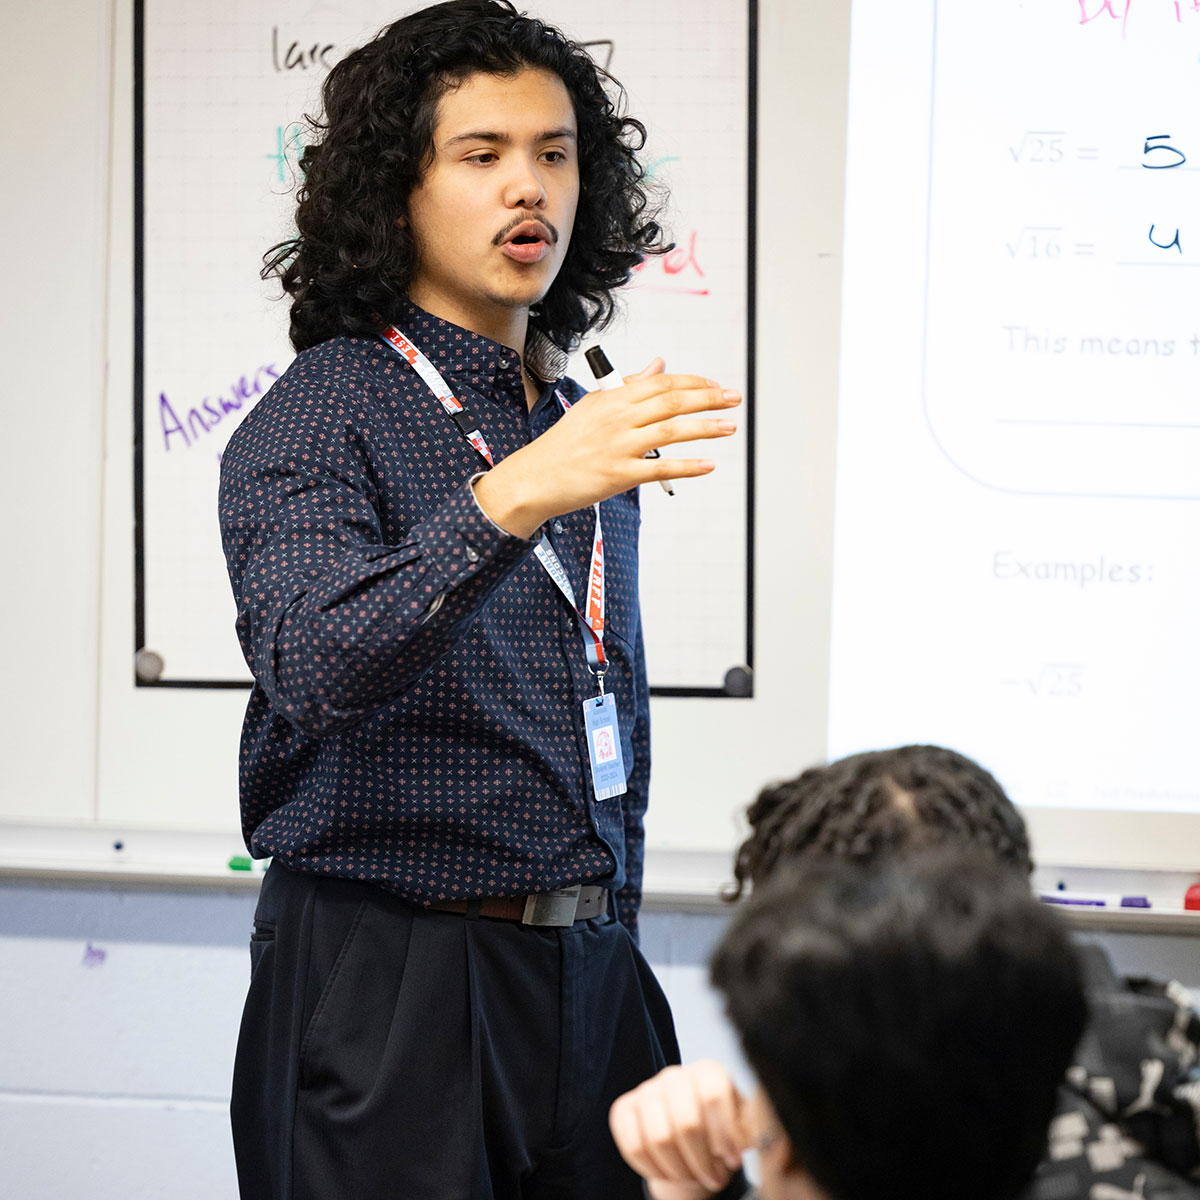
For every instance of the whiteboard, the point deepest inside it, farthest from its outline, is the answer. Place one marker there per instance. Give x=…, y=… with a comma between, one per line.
x=224, y=95
x=1015, y=548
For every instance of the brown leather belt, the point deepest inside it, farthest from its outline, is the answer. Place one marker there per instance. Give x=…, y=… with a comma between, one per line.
x=559, y=908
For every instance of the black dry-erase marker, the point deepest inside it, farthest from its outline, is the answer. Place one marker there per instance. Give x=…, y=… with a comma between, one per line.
x=607, y=378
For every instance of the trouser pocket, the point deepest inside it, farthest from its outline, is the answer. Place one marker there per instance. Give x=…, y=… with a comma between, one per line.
x=261, y=939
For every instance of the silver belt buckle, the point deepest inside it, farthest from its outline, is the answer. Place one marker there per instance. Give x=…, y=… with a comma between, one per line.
x=552, y=908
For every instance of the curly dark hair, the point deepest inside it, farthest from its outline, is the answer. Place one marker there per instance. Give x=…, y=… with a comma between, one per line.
x=350, y=263
x=868, y=806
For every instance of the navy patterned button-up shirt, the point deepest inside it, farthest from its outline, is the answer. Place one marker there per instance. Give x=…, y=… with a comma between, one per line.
x=416, y=718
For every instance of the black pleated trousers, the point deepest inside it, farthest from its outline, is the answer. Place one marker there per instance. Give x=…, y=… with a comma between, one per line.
x=387, y=1051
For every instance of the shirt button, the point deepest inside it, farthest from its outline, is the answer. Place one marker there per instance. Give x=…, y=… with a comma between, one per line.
x=504, y=363
x=472, y=554
x=558, y=527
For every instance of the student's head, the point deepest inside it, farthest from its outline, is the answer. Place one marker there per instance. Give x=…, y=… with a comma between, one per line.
x=868, y=806
x=908, y=1023
x=436, y=139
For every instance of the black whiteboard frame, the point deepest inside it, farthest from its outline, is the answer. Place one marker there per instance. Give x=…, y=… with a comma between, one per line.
x=139, y=263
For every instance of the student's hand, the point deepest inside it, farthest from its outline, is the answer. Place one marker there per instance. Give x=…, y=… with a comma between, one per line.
x=683, y=1131
x=597, y=450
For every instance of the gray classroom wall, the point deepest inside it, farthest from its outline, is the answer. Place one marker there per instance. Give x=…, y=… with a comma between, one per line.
x=119, y=1008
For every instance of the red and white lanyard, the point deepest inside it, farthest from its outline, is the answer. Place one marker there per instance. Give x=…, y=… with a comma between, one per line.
x=439, y=387
x=591, y=619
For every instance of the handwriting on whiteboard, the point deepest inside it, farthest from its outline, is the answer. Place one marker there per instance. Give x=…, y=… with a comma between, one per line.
x=677, y=271
x=301, y=56
x=1053, y=681
x=1161, y=241
x=320, y=55
x=204, y=417
x=1106, y=12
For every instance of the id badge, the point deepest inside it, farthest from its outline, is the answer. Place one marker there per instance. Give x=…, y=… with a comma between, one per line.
x=604, y=746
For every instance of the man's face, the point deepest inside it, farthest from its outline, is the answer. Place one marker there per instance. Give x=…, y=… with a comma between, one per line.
x=493, y=213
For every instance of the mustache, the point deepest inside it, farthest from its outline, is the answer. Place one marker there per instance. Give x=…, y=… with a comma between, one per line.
x=502, y=236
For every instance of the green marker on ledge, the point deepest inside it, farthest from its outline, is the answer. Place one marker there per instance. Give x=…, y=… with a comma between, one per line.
x=243, y=862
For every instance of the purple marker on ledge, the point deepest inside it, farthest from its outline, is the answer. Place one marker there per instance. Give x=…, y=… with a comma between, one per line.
x=1093, y=899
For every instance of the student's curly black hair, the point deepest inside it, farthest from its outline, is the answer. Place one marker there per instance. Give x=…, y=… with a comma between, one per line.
x=868, y=806
x=350, y=263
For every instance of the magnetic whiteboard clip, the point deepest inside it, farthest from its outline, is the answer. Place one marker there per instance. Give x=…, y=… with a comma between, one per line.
x=739, y=682
x=148, y=665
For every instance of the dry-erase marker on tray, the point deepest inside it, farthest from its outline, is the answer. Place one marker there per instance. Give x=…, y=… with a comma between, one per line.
x=243, y=862
x=1094, y=899
x=607, y=378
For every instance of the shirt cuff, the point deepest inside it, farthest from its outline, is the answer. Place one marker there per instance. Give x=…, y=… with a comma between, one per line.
x=464, y=541
x=537, y=533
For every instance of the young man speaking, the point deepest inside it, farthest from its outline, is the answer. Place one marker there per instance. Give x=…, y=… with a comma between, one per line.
x=432, y=541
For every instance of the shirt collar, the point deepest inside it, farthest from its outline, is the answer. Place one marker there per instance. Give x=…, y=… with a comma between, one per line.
x=454, y=350
x=544, y=359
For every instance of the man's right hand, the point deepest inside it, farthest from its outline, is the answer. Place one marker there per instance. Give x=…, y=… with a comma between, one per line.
x=598, y=448
x=683, y=1131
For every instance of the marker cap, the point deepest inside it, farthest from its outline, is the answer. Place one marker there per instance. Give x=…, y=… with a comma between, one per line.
x=598, y=361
